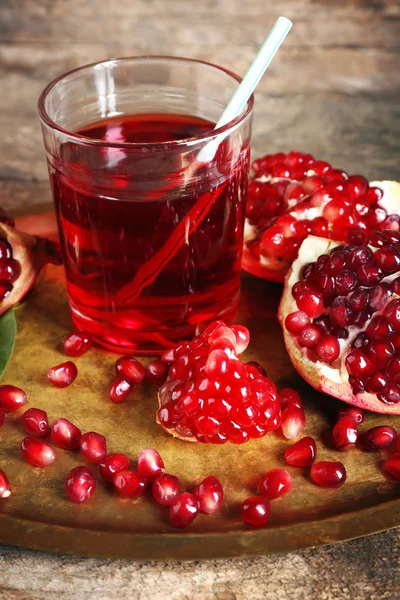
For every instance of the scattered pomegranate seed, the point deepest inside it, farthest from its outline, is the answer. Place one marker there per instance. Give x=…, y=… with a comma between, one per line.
x=80, y=484
x=93, y=446
x=275, y=483
x=157, y=372
x=350, y=411
x=2, y=417
x=290, y=398
x=12, y=398
x=302, y=453
x=293, y=421
x=166, y=489
x=378, y=438
x=34, y=421
x=184, y=510
x=256, y=510
x=328, y=474
x=129, y=367
x=77, y=343
x=345, y=433
x=130, y=483
x=65, y=435
x=210, y=495
x=5, y=490
x=120, y=389
x=37, y=453
x=392, y=465
x=113, y=464
x=150, y=464
x=62, y=375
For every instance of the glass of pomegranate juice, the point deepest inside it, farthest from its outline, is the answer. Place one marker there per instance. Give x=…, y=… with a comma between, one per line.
x=151, y=239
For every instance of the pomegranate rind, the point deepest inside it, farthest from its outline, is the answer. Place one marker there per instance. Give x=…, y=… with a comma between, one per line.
x=330, y=379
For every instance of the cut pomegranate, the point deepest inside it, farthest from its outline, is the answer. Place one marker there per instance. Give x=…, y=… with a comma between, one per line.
x=345, y=433
x=256, y=510
x=34, y=421
x=357, y=357
x=157, y=372
x=348, y=411
x=212, y=396
x=113, y=464
x=93, y=446
x=289, y=198
x=328, y=474
x=210, y=495
x=12, y=398
x=5, y=490
x=77, y=343
x=37, y=453
x=65, y=435
x=130, y=483
x=392, y=465
x=275, y=483
x=166, y=489
x=302, y=453
x=80, y=484
x=378, y=438
x=150, y=464
x=62, y=375
x=184, y=510
x=120, y=389
x=129, y=367
x=293, y=421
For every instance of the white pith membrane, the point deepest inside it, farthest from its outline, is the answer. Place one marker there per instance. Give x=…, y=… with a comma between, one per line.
x=332, y=379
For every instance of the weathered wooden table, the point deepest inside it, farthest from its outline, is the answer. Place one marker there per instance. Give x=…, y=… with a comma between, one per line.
x=333, y=90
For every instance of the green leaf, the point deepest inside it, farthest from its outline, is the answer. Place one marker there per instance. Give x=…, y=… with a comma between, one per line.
x=8, y=331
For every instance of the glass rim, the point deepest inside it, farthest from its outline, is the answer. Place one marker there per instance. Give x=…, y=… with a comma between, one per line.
x=78, y=138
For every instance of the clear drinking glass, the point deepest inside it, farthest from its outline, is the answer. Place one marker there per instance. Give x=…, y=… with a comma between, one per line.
x=152, y=247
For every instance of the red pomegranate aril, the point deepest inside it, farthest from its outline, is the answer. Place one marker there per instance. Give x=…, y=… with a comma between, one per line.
x=393, y=369
x=12, y=398
x=290, y=398
x=256, y=510
x=357, y=364
x=328, y=348
x=311, y=303
x=296, y=321
x=379, y=328
x=150, y=464
x=5, y=490
x=77, y=343
x=345, y=433
x=34, y=421
x=391, y=395
x=37, y=453
x=93, y=446
x=328, y=474
x=369, y=274
x=80, y=484
x=120, y=389
x=396, y=286
x=302, y=453
x=359, y=300
x=392, y=313
x=300, y=287
x=310, y=336
x=377, y=383
x=130, y=483
x=380, y=353
x=166, y=489
x=275, y=483
x=65, y=435
x=378, y=438
x=210, y=495
x=157, y=372
x=62, y=375
x=184, y=510
x=350, y=411
x=358, y=257
x=129, y=367
x=388, y=260
x=391, y=466
x=113, y=464
x=293, y=421
x=242, y=337
x=259, y=370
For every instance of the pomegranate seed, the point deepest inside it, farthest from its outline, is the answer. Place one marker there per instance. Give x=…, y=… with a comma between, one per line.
x=369, y=274
x=65, y=435
x=392, y=466
x=310, y=336
x=150, y=464
x=293, y=421
x=311, y=303
x=290, y=398
x=130, y=483
x=328, y=474
x=380, y=353
x=93, y=446
x=37, y=453
x=357, y=364
x=210, y=495
x=379, y=328
x=80, y=484
x=129, y=367
x=120, y=389
x=328, y=348
x=166, y=489
x=12, y=398
x=302, y=453
x=112, y=464
x=62, y=375
x=242, y=335
x=350, y=411
x=157, y=372
x=256, y=510
x=184, y=510
x=34, y=421
x=275, y=483
x=5, y=491
x=345, y=433
x=296, y=321
x=77, y=343
x=378, y=438
x=2, y=417
x=259, y=370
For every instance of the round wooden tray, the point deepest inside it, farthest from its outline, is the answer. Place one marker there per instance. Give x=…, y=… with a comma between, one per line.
x=39, y=515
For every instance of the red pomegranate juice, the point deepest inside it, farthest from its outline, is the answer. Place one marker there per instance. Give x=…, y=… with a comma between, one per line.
x=149, y=262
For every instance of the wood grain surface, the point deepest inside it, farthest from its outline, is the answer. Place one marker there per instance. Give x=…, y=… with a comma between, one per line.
x=334, y=91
